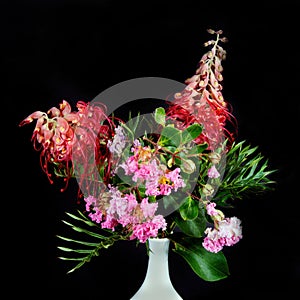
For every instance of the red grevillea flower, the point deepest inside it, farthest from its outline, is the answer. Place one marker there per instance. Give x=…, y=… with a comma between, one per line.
x=61, y=134
x=91, y=155
x=54, y=136
x=202, y=100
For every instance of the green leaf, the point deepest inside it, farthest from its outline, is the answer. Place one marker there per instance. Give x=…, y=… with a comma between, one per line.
x=191, y=132
x=246, y=173
x=160, y=116
x=189, y=209
x=172, y=201
x=79, y=229
x=207, y=265
x=198, y=148
x=170, y=136
x=82, y=261
x=194, y=228
x=170, y=148
x=81, y=251
x=78, y=242
x=82, y=218
x=91, y=248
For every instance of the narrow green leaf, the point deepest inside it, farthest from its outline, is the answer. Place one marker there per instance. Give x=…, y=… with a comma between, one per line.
x=83, y=218
x=73, y=259
x=77, y=267
x=78, y=242
x=79, y=229
x=86, y=251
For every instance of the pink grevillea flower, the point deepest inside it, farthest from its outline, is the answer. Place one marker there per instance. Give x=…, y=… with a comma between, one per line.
x=213, y=172
x=228, y=233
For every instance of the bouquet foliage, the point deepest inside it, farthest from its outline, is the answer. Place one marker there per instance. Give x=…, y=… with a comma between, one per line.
x=169, y=174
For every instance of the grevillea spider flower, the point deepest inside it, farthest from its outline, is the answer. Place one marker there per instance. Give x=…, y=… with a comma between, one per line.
x=202, y=100
x=63, y=136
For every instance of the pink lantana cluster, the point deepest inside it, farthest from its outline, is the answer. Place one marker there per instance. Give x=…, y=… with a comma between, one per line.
x=227, y=231
x=146, y=169
x=213, y=172
x=116, y=208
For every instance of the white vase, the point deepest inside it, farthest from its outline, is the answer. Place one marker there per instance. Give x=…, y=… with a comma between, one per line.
x=157, y=284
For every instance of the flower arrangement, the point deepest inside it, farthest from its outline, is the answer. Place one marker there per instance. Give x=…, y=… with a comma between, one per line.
x=171, y=174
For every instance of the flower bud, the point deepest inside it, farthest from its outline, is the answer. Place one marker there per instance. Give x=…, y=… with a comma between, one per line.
x=207, y=190
x=188, y=166
x=219, y=216
x=214, y=157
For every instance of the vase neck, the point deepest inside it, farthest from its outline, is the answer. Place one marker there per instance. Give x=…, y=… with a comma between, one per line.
x=158, y=267
x=157, y=283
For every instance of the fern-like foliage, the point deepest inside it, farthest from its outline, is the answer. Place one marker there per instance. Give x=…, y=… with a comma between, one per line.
x=246, y=173
x=89, y=249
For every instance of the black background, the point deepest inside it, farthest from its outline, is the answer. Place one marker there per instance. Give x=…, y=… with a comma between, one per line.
x=74, y=50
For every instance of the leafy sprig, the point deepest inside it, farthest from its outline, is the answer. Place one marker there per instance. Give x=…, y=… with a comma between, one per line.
x=246, y=173
x=91, y=248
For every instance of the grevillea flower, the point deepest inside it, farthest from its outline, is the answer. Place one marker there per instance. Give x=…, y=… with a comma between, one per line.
x=64, y=136
x=54, y=136
x=202, y=100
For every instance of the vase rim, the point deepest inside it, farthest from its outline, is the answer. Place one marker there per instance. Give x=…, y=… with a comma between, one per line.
x=158, y=239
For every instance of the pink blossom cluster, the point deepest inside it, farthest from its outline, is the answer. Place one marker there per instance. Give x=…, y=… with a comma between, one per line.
x=117, y=208
x=227, y=231
x=213, y=172
x=146, y=169
x=118, y=143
